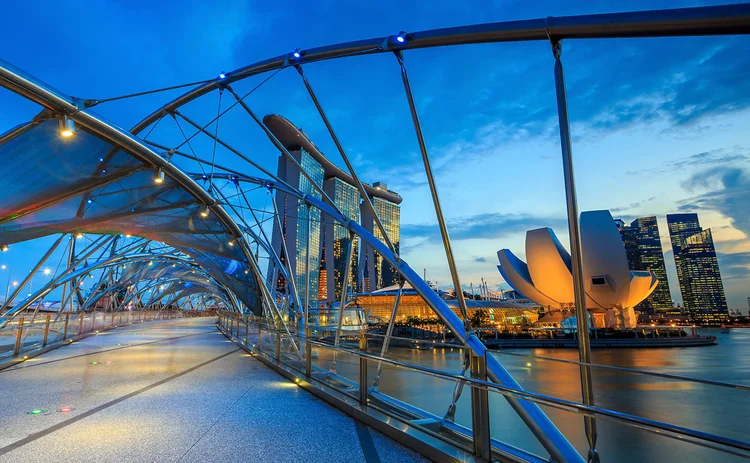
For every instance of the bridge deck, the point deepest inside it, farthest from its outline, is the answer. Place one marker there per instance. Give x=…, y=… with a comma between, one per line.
x=171, y=391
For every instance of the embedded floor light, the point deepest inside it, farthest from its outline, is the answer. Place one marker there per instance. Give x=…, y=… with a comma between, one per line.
x=205, y=212
x=159, y=176
x=66, y=127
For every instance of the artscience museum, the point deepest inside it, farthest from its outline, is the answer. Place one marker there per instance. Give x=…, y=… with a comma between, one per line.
x=612, y=288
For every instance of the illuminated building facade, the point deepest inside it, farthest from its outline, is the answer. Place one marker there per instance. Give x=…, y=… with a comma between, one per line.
x=295, y=217
x=500, y=314
x=644, y=252
x=333, y=237
x=697, y=269
x=376, y=272
x=337, y=238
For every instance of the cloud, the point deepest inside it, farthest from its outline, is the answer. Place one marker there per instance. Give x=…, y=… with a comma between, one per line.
x=734, y=266
x=481, y=226
x=481, y=259
x=724, y=189
x=722, y=156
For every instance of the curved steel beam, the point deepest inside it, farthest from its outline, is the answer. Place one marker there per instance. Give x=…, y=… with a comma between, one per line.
x=698, y=21
x=539, y=424
x=18, y=81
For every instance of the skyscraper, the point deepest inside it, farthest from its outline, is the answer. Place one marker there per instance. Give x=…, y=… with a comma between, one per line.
x=643, y=249
x=340, y=188
x=347, y=199
x=296, y=219
x=697, y=268
x=651, y=257
x=377, y=273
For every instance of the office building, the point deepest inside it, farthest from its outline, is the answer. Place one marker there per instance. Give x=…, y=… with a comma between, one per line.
x=296, y=217
x=332, y=238
x=697, y=269
x=376, y=272
x=648, y=255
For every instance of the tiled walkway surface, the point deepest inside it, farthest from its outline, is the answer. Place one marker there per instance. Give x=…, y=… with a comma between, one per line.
x=171, y=391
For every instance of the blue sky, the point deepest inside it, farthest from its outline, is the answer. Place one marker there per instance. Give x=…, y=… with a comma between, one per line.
x=659, y=125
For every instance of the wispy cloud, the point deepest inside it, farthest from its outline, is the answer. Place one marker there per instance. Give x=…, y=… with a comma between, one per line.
x=723, y=189
x=482, y=226
x=721, y=156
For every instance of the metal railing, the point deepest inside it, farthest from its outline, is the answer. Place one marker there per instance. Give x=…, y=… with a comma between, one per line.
x=311, y=365
x=32, y=334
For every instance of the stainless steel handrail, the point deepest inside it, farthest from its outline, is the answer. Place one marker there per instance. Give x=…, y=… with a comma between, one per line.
x=446, y=345
x=708, y=440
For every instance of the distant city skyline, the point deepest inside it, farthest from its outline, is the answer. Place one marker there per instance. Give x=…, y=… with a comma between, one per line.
x=659, y=125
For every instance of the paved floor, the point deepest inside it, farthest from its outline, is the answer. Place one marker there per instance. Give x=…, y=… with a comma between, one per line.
x=171, y=391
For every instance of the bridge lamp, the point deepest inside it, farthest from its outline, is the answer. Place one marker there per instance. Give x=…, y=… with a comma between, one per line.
x=297, y=54
x=205, y=212
x=401, y=37
x=15, y=283
x=66, y=127
x=222, y=75
x=47, y=271
x=159, y=176
x=4, y=248
x=79, y=235
x=231, y=243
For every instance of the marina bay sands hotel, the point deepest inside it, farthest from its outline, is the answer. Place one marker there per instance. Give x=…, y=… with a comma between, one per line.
x=328, y=242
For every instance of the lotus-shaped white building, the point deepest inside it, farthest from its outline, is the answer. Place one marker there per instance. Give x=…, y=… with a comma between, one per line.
x=611, y=287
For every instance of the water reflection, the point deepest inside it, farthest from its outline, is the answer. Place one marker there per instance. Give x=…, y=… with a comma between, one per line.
x=708, y=408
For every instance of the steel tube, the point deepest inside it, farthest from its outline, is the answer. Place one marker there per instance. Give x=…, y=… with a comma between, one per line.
x=307, y=270
x=31, y=274
x=547, y=433
x=433, y=189
x=46, y=330
x=584, y=346
x=365, y=197
x=708, y=20
x=19, y=336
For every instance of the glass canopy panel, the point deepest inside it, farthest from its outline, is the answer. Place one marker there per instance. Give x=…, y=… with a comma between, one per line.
x=84, y=184
x=233, y=274
x=48, y=168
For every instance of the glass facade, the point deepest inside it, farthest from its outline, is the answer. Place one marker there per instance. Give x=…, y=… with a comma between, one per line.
x=390, y=216
x=315, y=171
x=680, y=227
x=650, y=257
x=347, y=199
x=697, y=268
x=700, y=269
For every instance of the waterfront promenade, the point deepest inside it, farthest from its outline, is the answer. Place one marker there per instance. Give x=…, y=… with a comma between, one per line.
x=172, y=390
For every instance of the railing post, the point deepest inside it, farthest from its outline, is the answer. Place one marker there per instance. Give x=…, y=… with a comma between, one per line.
x=260, y=327
x=93, y=319
x=238, y=327
x=46, y=330
x=65, y=329
x=363, y=370
x=19, y=336
x=480, y=411
x=112, y=320
x=278, y=342
x=80, y=322
x=308, y=352
x=247, y=329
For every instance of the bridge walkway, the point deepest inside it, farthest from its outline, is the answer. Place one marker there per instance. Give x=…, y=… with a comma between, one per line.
x=171, y=391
